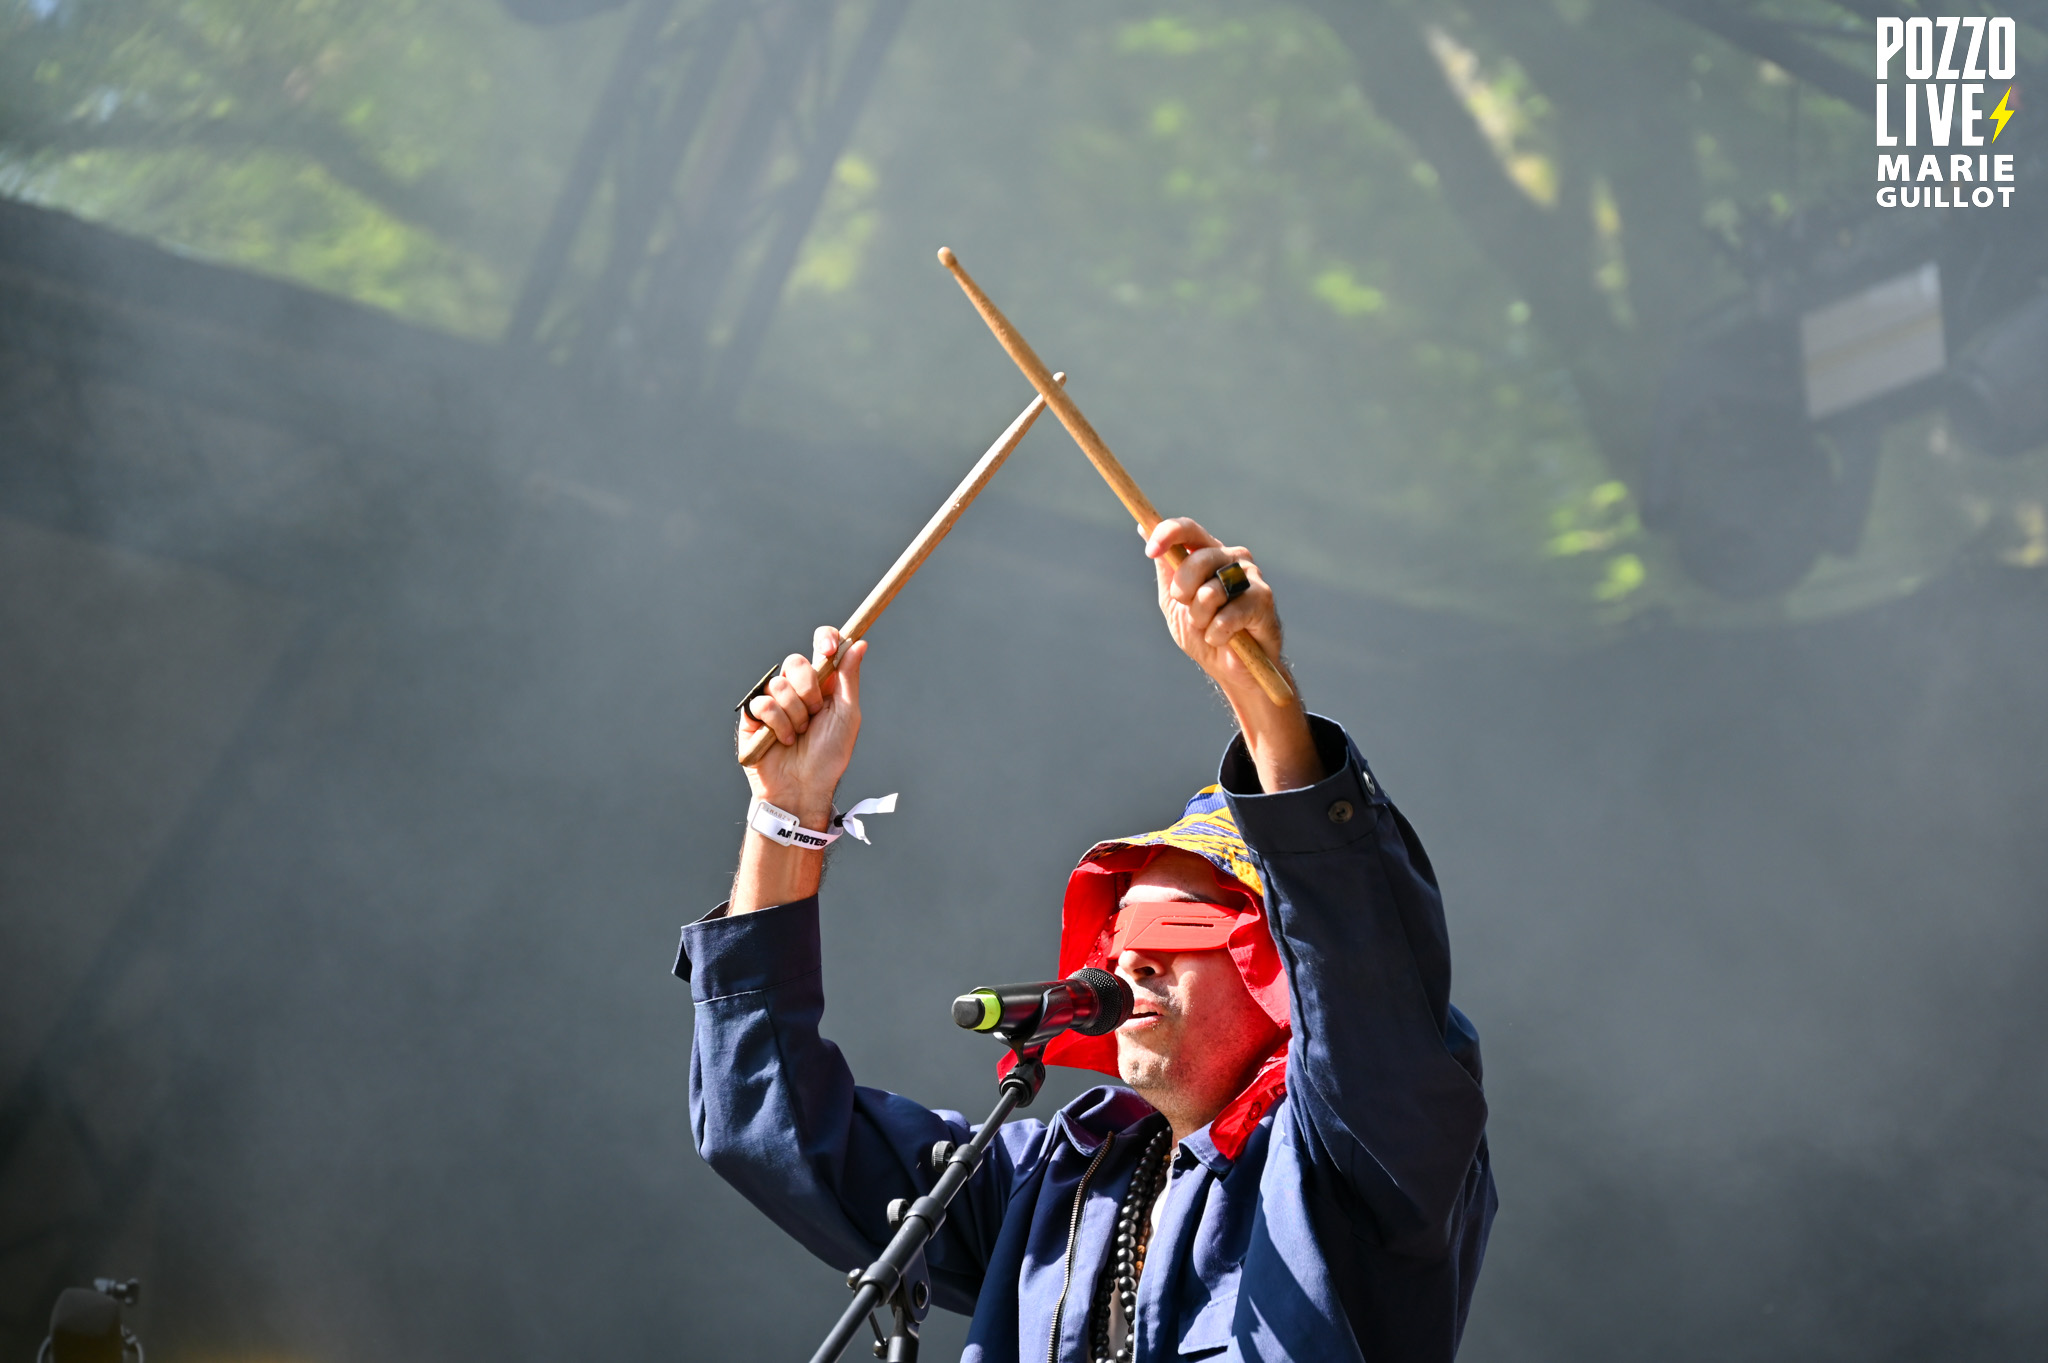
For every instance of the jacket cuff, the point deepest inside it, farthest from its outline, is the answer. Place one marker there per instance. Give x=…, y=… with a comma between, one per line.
x=1336, y=811
x=723, y=955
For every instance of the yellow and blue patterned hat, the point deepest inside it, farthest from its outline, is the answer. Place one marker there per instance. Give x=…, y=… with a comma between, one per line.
x=1209, y=830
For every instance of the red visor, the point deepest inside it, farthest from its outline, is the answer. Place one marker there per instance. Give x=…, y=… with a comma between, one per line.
x=1172, y=925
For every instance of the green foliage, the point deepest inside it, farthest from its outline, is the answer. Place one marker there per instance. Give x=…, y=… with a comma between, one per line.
x=1267, y=306
x=379, y=148
x=1285, y=316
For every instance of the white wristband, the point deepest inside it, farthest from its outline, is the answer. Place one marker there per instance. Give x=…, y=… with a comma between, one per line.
x=779, y=825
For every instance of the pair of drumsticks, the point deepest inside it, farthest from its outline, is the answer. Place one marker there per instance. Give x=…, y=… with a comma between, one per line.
x=1051, y=394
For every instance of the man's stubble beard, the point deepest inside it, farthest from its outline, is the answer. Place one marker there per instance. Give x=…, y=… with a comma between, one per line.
x=1148, y=1072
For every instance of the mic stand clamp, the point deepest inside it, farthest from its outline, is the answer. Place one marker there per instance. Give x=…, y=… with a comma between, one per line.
x=899, y=1277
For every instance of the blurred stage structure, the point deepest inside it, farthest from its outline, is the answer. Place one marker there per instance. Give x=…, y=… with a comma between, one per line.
x=1771, y=413
x=149, y=394
x=146, y=395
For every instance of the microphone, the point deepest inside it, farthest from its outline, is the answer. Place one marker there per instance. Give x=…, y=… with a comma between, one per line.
x=1090, y=1001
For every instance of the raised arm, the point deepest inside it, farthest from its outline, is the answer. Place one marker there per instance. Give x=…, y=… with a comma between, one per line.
x=773, y=1106
x=1383, y=1073
x=774, y=1109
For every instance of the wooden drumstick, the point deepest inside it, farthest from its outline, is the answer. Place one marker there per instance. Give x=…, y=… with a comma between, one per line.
x=753, y=748
x=1270, y=678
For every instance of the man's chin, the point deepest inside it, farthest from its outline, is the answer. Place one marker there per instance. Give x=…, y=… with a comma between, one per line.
x=1140, y=1068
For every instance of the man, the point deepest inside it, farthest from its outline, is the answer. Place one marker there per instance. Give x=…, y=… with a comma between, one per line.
x=1298, y=1168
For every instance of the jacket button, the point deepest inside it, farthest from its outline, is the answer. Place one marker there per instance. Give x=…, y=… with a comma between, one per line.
x=1340, y=811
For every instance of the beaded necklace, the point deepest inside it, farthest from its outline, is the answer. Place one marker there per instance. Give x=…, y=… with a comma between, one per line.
x=1133, y=1232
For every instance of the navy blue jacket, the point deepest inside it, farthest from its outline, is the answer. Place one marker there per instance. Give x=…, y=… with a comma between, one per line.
x=1350, y=1226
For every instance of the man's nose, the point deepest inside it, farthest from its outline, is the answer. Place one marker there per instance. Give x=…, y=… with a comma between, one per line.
x=1137, y=965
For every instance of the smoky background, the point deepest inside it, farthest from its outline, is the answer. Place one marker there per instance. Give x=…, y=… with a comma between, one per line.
x=365, y=704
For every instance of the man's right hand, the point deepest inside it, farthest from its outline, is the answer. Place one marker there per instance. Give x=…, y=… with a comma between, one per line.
x=815, y=723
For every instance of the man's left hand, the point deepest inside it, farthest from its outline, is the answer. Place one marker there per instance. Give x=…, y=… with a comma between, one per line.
x=1199, y=614
x=1202, y=617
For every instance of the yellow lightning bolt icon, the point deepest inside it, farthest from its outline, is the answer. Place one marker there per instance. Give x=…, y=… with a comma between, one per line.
x=2001, y=113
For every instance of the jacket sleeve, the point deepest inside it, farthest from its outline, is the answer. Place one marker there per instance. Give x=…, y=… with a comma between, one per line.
x=1383, y=1075
x=775, y=1111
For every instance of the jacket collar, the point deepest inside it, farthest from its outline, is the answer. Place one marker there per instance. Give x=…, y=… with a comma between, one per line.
x=1103, y=1112
x=1098, y=1114
x=1241, y=1116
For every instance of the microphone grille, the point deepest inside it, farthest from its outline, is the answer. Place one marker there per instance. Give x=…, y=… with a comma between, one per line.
x=1113, y=1001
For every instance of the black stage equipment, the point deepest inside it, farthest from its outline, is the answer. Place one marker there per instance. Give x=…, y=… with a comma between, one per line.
x=86, y=1325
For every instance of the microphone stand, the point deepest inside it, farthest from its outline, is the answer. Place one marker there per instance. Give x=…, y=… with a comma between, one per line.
x=916, y=1222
